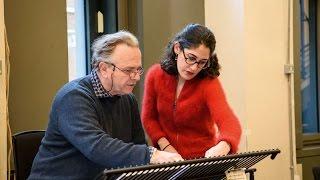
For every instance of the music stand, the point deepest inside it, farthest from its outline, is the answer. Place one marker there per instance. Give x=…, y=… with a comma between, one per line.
x=204, y=168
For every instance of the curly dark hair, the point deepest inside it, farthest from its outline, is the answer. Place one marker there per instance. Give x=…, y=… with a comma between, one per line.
x=192, y=36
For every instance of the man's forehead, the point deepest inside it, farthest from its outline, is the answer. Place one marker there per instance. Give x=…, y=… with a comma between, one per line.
x=126, y=55
x=121, y=48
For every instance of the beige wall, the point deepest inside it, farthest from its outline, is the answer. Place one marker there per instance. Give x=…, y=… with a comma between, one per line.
x=3, y=104
x=158, y=22
x=225, y=19
x=162, y=19
x=37, y=34
x=253, y=48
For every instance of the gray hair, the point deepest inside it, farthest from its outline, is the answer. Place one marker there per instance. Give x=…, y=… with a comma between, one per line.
x=103, y=47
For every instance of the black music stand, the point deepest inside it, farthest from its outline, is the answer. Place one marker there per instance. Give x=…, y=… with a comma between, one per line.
x=204, y=168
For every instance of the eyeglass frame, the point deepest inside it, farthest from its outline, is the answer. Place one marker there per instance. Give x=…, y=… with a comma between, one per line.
x=196, y=62
x=130, y=73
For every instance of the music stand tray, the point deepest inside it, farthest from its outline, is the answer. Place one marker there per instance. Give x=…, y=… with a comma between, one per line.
x=203, y=168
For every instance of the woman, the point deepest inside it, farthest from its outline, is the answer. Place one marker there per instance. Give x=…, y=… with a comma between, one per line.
x=184, y=108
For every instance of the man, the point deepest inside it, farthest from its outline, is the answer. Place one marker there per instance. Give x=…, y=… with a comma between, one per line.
x=94, y=121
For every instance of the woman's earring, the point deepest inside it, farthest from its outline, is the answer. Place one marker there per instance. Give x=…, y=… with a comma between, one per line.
x=176, y=58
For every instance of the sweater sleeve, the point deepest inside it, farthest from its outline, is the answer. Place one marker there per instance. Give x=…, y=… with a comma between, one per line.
x=229, y=127
x=149, y=112
x=78, y=123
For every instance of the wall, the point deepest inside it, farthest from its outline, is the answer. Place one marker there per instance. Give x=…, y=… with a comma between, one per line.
x=253, y=48
x=160, y=20
x=3, y=103
x=37, y=34
x=226, y=21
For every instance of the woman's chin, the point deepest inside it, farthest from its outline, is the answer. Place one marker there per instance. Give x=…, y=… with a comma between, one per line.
x=188, y=76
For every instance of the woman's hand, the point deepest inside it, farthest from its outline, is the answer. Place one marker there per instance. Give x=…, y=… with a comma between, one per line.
x=171, y=149
x=165, y=145
x=222, y=148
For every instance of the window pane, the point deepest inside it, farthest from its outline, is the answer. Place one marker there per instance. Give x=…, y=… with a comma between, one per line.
x=76, y=39
x=308, y=71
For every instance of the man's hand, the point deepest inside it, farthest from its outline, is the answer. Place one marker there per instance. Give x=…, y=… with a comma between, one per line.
x=159, y=157
x=222, y=148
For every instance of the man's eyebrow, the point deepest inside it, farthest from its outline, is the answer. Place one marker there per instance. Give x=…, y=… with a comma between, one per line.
x=132, y=67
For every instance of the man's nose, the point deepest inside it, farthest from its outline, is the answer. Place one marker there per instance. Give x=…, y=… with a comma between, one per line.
x=136, y=76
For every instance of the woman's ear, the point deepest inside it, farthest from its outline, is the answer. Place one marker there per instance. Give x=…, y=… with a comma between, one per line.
x=176, y=47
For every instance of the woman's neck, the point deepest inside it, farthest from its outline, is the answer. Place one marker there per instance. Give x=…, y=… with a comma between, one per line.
x=180, y=84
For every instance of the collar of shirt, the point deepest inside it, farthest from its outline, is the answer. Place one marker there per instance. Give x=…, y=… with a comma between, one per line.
x=97, y=86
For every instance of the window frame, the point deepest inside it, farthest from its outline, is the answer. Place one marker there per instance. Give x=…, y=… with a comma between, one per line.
x=306, y=144
x=109, y=9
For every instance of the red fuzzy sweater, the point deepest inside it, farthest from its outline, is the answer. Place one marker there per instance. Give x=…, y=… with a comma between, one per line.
x=196, y=121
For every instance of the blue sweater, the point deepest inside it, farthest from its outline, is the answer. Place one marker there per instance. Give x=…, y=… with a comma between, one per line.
x=86, y=134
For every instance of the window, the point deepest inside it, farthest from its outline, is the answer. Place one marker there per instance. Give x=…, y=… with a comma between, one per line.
x=87, y=19
x=76, y=39
x=309, y=68
x=101, y=17
x=307, y=89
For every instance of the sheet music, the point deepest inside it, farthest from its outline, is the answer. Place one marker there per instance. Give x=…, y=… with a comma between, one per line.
x=236, y=174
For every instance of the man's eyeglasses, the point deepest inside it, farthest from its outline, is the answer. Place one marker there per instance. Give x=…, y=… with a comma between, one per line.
x=203, y=64
x=130, y=72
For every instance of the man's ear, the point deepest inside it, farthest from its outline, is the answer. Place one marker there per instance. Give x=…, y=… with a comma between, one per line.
x=176, y=47
x=104, y=69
